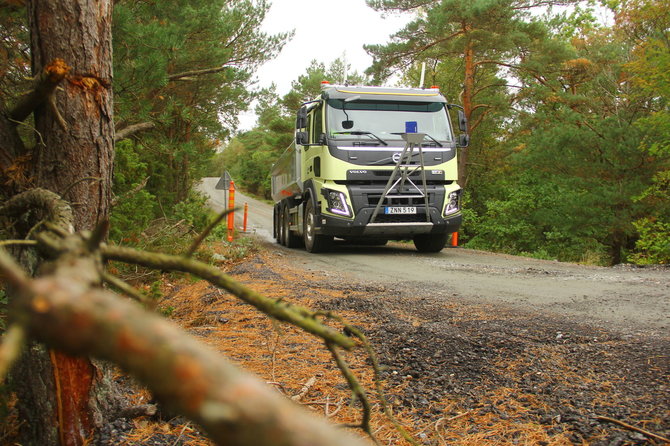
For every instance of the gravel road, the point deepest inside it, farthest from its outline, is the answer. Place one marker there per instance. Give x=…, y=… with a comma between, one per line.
x=625, y=298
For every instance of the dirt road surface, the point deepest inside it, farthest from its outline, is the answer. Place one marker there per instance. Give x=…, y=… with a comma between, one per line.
x=626, y=298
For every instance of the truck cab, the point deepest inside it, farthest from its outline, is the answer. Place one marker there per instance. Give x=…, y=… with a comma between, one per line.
x=368, y=165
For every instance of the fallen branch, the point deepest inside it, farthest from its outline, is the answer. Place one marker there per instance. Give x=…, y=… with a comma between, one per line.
x=18, y=242
x=356, y=389
x=144, y=410
x=330, y=414
x=54, y=208
x=326, y=404
x=633, y=428
x=356, y=333
x=293, y=314
x=304, y=390
x=124, y=287
x=67, y=312
x=200, y=238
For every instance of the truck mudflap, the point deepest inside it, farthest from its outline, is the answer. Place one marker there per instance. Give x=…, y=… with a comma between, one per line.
x=361, y=226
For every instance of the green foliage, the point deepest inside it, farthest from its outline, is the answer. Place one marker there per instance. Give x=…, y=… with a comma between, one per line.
x=193, y=211
x=155, y=293
x=653, y=246
x=536, y=217
x=186, y=67
x=557, y=174
x=135, y=209
x=167, y=311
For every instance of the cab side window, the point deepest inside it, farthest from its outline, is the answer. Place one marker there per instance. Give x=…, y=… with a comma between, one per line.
x=308, y=128
x=317, y=131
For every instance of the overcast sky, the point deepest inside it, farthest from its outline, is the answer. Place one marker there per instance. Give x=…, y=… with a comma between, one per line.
x=324, y=30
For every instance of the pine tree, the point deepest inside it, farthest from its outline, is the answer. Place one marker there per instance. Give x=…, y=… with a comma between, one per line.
x=487, y=40
x=184, y=70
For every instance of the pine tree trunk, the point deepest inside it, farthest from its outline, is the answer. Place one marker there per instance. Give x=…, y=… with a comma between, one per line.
x=77, y=160
x=74, y=158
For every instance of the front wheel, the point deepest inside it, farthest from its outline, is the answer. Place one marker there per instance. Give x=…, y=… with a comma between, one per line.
x=314, y=242
x=430, y=242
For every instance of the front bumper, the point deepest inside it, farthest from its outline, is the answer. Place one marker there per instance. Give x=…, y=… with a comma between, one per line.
x=383, y=228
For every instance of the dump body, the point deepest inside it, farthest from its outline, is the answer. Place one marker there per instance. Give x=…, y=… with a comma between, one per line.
x=285, y=175
x=369, y=164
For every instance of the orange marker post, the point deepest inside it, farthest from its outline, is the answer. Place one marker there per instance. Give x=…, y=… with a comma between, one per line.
x=231, y=215
x=246, y=215
x=454, y=239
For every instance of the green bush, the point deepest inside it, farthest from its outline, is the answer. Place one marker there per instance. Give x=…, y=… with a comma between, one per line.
x=653, y=246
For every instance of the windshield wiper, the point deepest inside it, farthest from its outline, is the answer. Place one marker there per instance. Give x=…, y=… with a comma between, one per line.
x=362, y=132
x=434, y=140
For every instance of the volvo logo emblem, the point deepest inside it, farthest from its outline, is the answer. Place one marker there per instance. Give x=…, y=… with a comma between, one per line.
x=396, y=157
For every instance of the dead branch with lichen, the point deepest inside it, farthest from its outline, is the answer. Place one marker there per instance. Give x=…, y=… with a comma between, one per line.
x=68, y=309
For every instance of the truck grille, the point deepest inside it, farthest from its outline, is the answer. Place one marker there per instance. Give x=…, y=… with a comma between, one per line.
x=373, y=199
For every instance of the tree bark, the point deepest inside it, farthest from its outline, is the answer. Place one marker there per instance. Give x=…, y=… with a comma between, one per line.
x=79, y=32
x=74, y=158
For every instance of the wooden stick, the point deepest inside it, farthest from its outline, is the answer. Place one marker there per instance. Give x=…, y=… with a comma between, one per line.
x=633, y=428
x=305, y=389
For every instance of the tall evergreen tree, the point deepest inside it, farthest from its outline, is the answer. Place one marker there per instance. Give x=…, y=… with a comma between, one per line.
x=577, y=146
x=489, y=40
x=646, y=24
x=184, y=72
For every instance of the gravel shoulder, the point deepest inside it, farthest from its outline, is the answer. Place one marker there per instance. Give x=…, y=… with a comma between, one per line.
x=504, y=373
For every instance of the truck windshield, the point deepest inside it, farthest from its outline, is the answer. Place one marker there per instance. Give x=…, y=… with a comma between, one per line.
x=386, y=119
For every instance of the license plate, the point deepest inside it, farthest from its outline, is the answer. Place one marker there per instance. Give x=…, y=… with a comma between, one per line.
x=400, y=210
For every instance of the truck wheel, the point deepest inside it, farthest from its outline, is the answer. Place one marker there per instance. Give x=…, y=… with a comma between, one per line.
x=314, y=242
x=280, y=225
x=430, y=242
x=288, y=238
x=276, y=227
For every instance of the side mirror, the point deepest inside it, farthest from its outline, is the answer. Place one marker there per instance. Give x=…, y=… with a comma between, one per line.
x=301, y=138
x=462, y=121
x=463, y=140
x=301, y=120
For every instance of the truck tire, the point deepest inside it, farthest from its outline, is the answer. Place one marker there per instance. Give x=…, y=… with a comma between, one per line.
x=314, y=242
x=289, y=239
x=276, y=227
x=430, y=242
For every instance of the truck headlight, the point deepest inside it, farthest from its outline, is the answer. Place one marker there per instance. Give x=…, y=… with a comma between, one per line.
x=453, y=203
x=337, y=203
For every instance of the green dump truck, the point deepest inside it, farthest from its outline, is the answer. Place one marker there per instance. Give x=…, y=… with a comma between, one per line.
x=368, y=165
